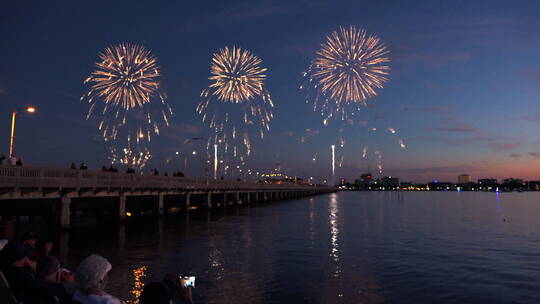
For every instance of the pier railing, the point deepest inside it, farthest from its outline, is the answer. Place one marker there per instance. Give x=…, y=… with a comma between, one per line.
x=42, y=177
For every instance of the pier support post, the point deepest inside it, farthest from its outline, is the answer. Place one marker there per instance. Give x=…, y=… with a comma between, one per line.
x=208, y=200
x=188, y=200
x=65, y=212
x=122, y=207
x=160, y=204
x=237, y=199
x=248, y=198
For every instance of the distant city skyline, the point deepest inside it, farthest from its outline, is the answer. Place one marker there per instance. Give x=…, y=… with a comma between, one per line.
x=463, y=89
x=456, y=180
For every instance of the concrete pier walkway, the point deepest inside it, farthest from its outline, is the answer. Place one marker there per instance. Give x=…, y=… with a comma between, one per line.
x=62, y=185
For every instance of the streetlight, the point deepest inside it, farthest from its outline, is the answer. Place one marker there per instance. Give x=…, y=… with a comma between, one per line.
x=29, y=109
x=215, y=161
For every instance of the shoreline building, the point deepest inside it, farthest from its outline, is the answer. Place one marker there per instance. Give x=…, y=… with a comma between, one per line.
x=464, y=179
x=389, y=182
x=364, y=182
x=487, y=184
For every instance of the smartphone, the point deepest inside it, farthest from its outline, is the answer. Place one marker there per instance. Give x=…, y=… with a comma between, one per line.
x=188, y=281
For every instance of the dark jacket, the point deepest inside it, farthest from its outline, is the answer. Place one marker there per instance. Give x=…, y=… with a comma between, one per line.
x=21, y=281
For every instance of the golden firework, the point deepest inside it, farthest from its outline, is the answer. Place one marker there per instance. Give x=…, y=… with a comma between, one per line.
x=127, y=76
x=347, y=71
x=125, y=97
x=236, y=105
x=237, y=75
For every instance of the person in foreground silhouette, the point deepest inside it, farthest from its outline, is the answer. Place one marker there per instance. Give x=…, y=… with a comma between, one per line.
x=51, y=277
x=91, y=279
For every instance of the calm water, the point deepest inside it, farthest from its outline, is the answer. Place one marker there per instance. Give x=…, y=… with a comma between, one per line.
x=350, y=247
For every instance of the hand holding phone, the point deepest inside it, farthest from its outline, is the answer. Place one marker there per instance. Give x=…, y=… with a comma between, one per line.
x=187, y=281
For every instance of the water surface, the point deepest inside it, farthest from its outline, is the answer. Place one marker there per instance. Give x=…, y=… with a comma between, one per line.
x=348, y=247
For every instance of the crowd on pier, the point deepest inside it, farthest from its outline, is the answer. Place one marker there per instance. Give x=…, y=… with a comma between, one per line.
x=129, y=170
x=30, y=274
x=11, y=161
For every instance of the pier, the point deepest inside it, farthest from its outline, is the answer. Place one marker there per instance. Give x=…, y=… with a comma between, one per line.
x=58, y=188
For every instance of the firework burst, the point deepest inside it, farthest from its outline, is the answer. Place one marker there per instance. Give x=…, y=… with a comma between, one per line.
x=236, y=105
x=124, y=96
x=347, y=71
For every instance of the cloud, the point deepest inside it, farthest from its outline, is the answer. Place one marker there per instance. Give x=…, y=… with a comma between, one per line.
x=531, y=118
x=295, y=49
x=463, y=129
x=412, y=56
x=288, y=133
x=423, y=138
x=504, y=146
x=470, y=140
x=239, y=13
x=428, y=109
x=455, y=125
x=467, y=134
x=532, y=76
x=516, y=155
x=441, y=169
x=534, y=154
x=265, y=9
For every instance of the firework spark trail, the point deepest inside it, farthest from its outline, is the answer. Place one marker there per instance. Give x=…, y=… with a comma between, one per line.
x=125, y=97
x=402, y=144
x=364, y=152
x=379, y=161
x=347, y=71
x=394, y=134
x=132, y=157
x=236, y=105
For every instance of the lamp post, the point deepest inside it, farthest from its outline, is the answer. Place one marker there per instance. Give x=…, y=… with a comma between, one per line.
x=29, y=109
x=215, y=161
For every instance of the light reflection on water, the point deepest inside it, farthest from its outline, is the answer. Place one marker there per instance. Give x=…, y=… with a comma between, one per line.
x=138, y=284
x=367, y=247
x=333, y=210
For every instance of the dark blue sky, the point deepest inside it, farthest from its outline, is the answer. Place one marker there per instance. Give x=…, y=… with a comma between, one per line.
x=463, y=90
